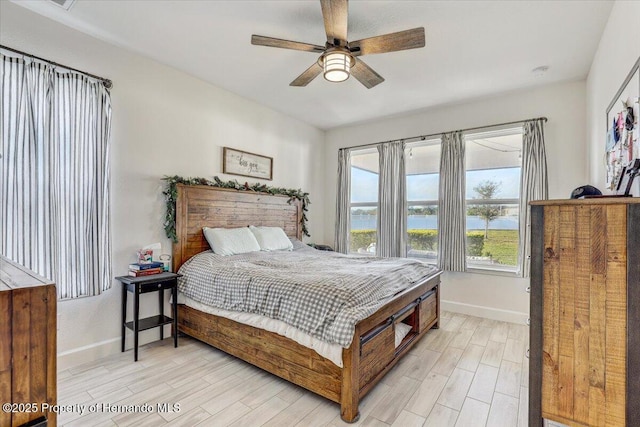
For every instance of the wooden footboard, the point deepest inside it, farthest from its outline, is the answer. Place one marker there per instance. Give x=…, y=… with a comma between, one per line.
x=371, y=355
x=272, y=352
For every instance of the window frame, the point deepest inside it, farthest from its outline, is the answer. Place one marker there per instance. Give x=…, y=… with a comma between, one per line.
x=497, y=269
x=352, y=205
x=431, y=142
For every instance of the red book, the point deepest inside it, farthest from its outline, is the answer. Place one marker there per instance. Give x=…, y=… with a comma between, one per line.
x=148, y=272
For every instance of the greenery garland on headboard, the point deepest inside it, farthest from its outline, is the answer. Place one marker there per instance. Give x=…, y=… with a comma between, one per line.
x=171, y=193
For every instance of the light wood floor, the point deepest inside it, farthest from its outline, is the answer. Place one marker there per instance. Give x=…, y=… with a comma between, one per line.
x=470, y=372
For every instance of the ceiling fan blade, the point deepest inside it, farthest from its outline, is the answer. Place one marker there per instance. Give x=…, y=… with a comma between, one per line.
x=402, y=40
x=365, y=74
x=285, y=44
x=335, y=14
x=306, y=77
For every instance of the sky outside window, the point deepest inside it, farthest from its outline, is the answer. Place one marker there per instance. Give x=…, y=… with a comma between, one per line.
x=364, y=184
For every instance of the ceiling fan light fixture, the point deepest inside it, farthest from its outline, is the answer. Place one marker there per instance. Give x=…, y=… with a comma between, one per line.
x=338, y=56
x=336, y=66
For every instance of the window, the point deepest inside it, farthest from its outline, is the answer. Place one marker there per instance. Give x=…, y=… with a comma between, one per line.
x=492, y=199
x=54, y=175
x=422, y=165
x=492, y=196
x=364, y=201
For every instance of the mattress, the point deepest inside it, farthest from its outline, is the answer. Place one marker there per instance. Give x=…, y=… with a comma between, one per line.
x=323, y=294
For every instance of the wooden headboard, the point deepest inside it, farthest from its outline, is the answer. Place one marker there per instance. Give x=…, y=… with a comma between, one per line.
x=200, y=206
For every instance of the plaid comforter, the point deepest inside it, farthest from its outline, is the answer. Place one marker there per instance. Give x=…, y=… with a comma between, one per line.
x=324, y=294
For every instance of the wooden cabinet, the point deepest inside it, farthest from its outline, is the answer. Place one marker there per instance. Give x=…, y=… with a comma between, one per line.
x=585, y=312
x=27, y=345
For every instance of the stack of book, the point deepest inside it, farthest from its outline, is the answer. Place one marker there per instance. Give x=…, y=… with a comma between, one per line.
x=145, y=269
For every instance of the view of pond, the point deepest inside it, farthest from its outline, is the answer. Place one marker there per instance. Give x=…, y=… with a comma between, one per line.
x=429, y=222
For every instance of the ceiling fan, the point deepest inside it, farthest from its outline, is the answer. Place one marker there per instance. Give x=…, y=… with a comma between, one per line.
x=340, y=58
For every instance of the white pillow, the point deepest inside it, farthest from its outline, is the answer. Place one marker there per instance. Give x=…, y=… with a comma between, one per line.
x=231, y=241
x=272, y=238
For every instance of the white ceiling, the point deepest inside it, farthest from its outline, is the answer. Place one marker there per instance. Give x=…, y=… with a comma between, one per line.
x=473, y=48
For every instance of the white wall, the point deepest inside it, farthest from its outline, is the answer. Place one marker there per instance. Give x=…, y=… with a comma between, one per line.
x=618, y=50
x=164, y=123
x=563, y=104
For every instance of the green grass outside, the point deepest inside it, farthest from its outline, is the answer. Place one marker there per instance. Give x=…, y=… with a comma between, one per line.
x=502, y=246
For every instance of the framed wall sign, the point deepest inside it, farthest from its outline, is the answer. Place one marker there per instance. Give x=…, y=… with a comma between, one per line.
x=237, y=162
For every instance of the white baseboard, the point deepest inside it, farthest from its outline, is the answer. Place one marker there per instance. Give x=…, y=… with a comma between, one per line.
x=92, y=352
x=488, y=312
x=89, y=353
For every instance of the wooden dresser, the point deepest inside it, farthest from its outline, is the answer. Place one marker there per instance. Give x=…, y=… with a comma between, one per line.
x=585, y=312
x=27, y=345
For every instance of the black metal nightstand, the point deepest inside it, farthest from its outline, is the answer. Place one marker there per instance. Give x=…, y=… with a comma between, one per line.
x=142, y=285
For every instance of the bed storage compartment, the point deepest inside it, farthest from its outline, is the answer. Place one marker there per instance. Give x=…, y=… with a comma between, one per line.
x=378, y=346
x=407, y=316
x=428, y=311
x=377, y=349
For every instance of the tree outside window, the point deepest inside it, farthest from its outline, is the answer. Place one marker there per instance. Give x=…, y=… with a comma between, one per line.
x=486, y=190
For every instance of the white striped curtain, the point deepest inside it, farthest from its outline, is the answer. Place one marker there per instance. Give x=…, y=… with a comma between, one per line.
x=343, y=210
x=392, y=201
x=451, y=201
x=54, y=175
x=534, y=185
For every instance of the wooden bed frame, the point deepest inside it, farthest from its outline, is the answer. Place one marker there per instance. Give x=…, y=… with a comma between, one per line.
x=372, y=352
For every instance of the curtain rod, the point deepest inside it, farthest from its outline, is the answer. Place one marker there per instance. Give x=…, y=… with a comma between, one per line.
x=107, y=83
x=423, y=137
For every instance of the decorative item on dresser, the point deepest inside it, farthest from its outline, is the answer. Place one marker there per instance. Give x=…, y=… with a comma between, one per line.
x=628, y=174
x=27, y=346
x=585, y=312
x=372, y=352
